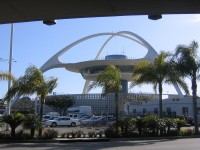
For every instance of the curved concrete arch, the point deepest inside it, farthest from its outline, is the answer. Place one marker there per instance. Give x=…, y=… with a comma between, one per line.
x=54, y=62
x=116, y=34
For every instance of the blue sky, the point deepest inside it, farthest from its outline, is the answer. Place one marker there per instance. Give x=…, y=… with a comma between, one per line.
x=34, y=43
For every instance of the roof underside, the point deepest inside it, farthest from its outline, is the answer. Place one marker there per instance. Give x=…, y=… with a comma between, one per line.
x=12, y=11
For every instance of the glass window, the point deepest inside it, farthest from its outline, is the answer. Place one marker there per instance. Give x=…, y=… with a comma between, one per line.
x=155, y=110
x=168, y=110
x=144, y=110
x=184, y=110
x=198, y=110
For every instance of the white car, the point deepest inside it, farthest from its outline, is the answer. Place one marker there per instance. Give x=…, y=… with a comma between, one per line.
x=62, y=121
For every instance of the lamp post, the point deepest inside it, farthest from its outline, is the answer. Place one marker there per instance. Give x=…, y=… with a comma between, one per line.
x=10, y=67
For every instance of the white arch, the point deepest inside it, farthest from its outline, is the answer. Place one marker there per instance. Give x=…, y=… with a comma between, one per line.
x=117, y=34
x=54, y=62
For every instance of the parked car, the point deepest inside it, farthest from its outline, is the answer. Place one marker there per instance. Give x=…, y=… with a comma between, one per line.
x=86, y=117
x=50, y=115
x=62, y=121
x=89, y=121
x=45, y=118
x=103, y=121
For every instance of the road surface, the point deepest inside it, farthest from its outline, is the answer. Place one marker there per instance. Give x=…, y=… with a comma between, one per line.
x=162, y=144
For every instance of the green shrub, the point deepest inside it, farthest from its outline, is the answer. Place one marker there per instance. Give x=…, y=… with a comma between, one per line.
x=173, y=133
x=69, y=134
x=50, y=134
x=5, y=136
x=92, y=134
x=100, y=133
x=134, y=134
x=152, y=124
x=110, y=133
x=126, y=124
x=79, y=133
x=73, y=134
x=186, y=132
x=20, y=135
x=63, y=135
x=180, y=123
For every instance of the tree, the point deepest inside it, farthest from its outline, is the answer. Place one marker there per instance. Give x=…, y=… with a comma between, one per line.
x=188, y=65
x=157, y=73
x=24, y=105
x=110, y=81
x=14, y=120
x=59, y=103
x=32, y=122
x=6, y=76
x=139, y=124
x=33, y=82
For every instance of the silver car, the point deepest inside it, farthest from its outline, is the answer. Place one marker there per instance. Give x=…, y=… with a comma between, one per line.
x=62, y=121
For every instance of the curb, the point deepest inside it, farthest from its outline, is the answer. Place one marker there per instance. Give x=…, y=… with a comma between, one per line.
x=70, y=140
x=154, y=138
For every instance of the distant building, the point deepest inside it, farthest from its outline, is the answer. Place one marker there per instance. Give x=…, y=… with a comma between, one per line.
x=172, y=106
x=103, y=104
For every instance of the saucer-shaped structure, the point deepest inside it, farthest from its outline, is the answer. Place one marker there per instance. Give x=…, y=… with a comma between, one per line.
x=91, y=69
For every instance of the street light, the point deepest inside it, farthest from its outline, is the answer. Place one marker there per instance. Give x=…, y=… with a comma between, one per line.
x=10, y=66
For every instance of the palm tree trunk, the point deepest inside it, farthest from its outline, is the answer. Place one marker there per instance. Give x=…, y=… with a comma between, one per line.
x=13, y=132
x=117, y=112
x=194, y=98
x=32, y=132
x=41, y=115
x=160, y=99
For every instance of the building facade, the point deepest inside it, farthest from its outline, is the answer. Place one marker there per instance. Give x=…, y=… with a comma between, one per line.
x=134, y=104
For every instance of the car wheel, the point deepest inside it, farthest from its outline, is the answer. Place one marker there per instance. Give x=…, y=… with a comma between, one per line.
x=73, y=124
x=54, y=124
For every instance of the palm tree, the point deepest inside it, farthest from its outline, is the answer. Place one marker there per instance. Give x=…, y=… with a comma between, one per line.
x=33, y=82
x=157, y=73
x=188, y=64
x=6, y=76
x=14, y=120
x=32, y=122
x=110, y=81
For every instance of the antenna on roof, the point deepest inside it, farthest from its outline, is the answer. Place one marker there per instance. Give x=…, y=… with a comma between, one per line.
x=123, y=50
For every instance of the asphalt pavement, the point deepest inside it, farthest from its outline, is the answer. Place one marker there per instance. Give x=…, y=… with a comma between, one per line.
x=159, y=144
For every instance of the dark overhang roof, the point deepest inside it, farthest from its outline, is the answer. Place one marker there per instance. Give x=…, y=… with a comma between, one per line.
x=12, y=11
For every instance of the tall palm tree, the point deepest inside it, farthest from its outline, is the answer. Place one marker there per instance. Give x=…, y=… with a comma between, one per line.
x=188, y=64
x=110, y=81
x=157, y=73
x=33, y=82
